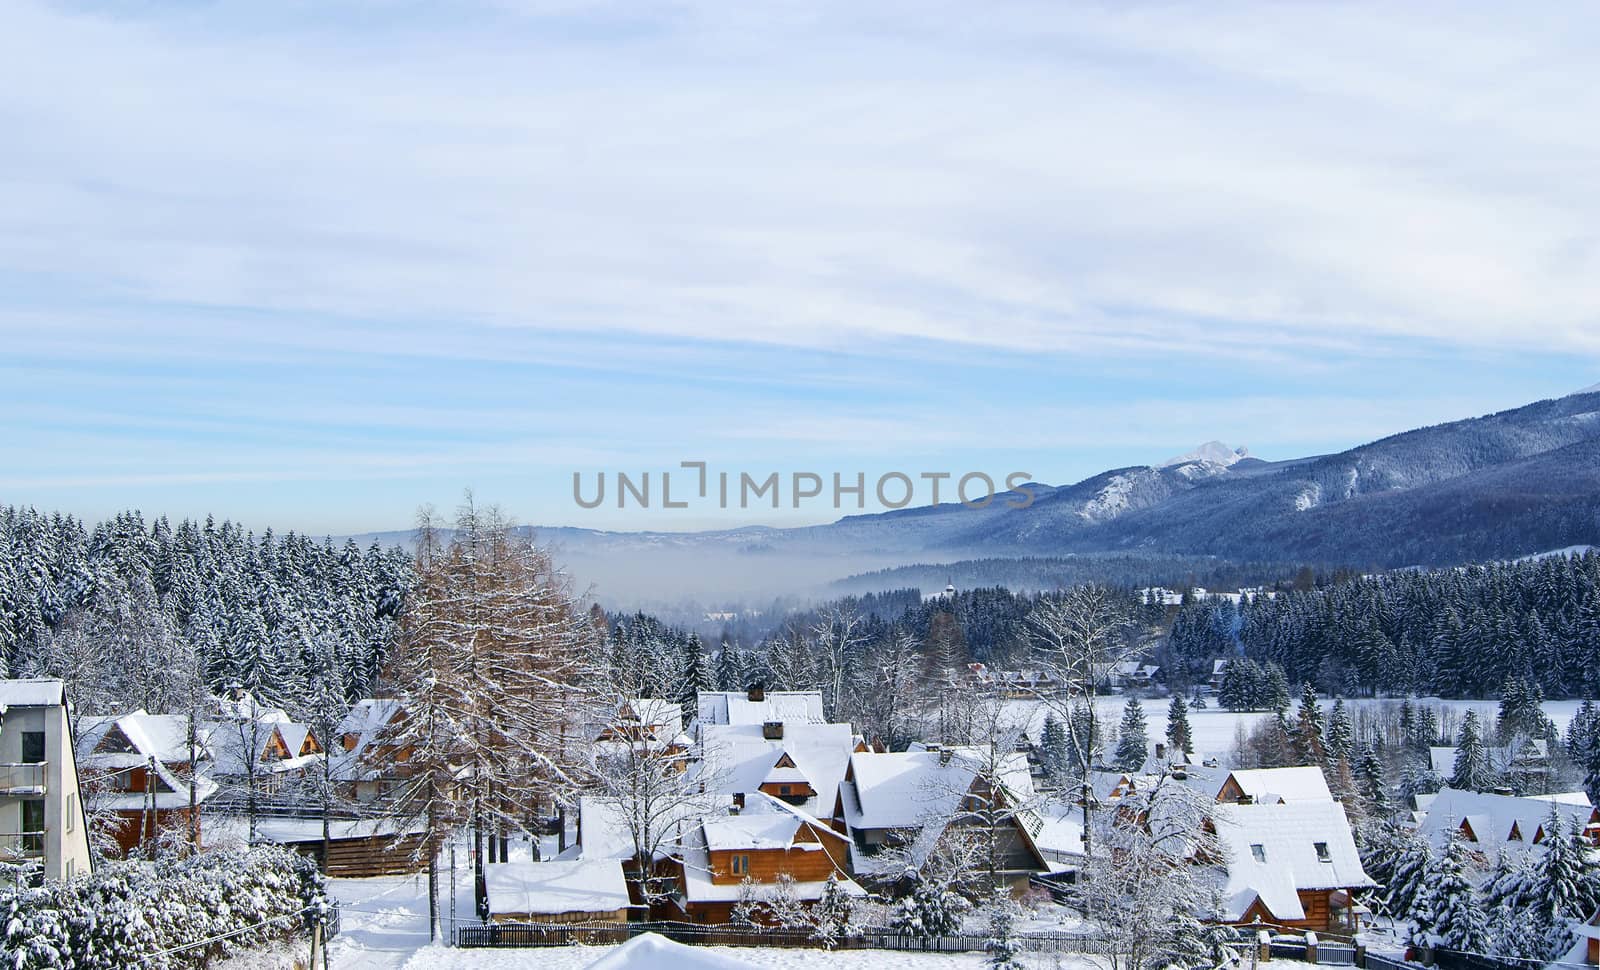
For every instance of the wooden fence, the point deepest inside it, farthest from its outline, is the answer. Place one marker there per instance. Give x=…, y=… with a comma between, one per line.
x=592, y=934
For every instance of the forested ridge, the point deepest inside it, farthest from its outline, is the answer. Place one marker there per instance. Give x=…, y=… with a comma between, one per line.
x=1458, y=632
x=121, y=608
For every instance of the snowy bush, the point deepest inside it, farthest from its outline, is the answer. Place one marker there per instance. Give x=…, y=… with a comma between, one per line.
x=172, y=914
x=931, y=910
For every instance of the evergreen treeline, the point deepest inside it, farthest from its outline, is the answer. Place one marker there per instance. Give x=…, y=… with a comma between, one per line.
x=120, y=609
x=1455, y=632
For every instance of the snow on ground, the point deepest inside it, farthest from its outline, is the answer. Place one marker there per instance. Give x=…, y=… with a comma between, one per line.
x=780, y=958
x=384, y=921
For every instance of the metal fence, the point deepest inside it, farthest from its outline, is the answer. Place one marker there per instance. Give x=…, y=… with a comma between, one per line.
x=1339, y=956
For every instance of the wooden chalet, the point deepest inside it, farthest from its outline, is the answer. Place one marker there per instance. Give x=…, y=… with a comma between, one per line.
x=765, y=840
x=138, y=767
x=1290, y=864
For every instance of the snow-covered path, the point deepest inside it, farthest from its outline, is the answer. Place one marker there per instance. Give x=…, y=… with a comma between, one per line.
x=384, y=921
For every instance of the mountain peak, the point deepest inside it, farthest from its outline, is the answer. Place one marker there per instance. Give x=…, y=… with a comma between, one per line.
x=1215, y=452
x=1591, y=389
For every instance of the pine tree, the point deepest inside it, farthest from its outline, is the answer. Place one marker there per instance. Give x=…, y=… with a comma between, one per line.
x=1179, y=738
x=1370, y=783
x=1275, y=692
x=1408, y=873
x=1054, y=756
x=1472, y=769
x=1341, y=735
x=1132, y=740
x=1309, y=743
x=1446, y=912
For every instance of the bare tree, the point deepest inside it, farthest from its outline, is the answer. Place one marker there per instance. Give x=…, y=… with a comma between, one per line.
x=838, y=635
x=490, y=646
x=652, y=783
x=1148, y=893
x=1077, y=636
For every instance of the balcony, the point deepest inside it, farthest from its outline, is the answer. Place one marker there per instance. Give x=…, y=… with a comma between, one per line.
x=23, y=778
x=15, y=846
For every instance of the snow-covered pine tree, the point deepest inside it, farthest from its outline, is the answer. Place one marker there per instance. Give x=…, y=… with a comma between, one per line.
x=1133, y=743
x=1340, y=740
x=1472, y=768
x=1179, y=736
x=1446, y=913
x=1309, y=742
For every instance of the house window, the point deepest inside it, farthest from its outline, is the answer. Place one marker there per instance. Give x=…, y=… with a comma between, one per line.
x=33, y=826
x=783, y=789
x=72, y=813
x=72, y=868
x=1322, y=852
x=32, y=747
x=741, y=865
x=1259, y=853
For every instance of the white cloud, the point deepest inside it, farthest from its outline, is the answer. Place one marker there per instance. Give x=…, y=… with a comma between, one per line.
x=1077, y=179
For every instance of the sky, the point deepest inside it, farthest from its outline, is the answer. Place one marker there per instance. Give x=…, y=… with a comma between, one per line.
x=312, y=264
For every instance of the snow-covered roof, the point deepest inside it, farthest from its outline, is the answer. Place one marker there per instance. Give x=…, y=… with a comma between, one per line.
x=31, y=692
x=1270, y=785
x=755, y=830
x=905, y=789
x=162, y=736
x=553, y=888
x=651, y=951
x=1275, y=850
x=661, y=719
x=1493, y=818
x=1442, y=759
x=366, y=720
x=739, y=759
x=736, y=707
x=603, y=824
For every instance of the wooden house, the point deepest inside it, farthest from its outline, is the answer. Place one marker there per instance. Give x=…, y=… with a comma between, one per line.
x=1274, y=786
x=909, y=799
x=1290, y=864
x=769, y=838
x=142, y=770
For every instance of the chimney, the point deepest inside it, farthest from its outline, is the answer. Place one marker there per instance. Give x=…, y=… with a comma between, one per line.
x=758, y=692
x=944, y=756
x=772, y=730
x=1161, y=751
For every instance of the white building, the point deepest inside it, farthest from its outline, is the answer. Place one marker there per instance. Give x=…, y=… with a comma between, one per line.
x=42, y=817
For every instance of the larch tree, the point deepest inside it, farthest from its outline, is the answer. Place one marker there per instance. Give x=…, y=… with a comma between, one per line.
x=491, y=650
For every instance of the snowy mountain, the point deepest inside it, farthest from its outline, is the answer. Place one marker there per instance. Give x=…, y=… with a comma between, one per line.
x=1499, y=486
x=1212, y=452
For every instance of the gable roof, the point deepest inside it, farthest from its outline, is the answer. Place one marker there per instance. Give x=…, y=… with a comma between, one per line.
x=738, y=759
x=1288, y=835
x=904, y=789
x=1271, y=785
x=164, y=737
x=1492, y=817
x=736, y=707
x=551, y=888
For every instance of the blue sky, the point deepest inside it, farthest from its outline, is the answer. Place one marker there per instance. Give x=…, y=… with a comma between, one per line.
x=312, y=264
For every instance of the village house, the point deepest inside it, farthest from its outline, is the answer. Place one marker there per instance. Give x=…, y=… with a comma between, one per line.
x=367, y=761
x=252, y=742
x=143, y=769
x=1493, y=822
x=1128, y=674
x=799, y=763
x=905, y=802
x=730, y=857
x=1290, y=864
x=578, y=891
x=42, y=817
x=1274, y=786
x=1589, y=932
